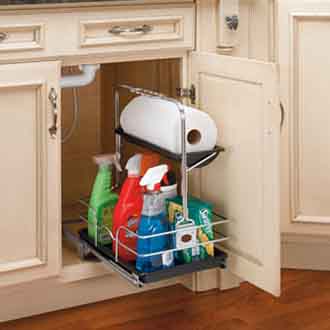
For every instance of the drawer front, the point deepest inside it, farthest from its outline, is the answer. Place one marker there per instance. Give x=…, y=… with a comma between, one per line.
x=139, y=28
x=132, y=31
x=21, y=37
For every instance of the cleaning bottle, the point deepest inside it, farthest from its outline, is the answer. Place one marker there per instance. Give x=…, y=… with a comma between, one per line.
x=149, y=159
x=103, y=200
x=153, y=221
x=128, y=210
x=169, y=186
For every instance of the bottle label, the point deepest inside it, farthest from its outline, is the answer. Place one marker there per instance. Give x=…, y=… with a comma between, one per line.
x=186, y=237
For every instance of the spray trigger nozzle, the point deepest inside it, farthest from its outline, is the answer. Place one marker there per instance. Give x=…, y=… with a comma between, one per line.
x=133, y=165
x=153, y=177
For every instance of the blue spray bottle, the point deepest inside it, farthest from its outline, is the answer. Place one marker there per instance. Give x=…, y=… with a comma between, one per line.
x=153, y=221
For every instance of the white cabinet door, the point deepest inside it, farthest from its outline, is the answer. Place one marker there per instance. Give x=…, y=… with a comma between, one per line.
x=243, y=183
x=304, y=56
x=29, y=173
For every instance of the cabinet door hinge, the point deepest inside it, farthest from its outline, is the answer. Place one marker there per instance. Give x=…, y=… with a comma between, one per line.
x=187, y=93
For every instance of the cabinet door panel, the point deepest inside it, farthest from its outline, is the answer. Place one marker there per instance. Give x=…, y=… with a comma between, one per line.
x=243, y=183
x=29, y=174
x=304, y=57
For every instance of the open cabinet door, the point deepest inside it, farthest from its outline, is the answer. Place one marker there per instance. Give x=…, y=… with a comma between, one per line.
x=243, y=183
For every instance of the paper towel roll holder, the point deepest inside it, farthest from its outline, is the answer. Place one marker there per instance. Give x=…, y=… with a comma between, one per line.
x=189, y=161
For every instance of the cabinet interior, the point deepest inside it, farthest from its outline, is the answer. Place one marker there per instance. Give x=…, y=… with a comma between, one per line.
x=95, y=131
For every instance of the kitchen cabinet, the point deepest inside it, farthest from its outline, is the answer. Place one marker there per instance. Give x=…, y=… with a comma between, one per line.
x=304, y=59
x=44, y=177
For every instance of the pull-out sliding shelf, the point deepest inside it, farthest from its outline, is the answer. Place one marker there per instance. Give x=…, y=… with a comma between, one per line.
x=128, y=270
x=189, y=161
x=88, y=246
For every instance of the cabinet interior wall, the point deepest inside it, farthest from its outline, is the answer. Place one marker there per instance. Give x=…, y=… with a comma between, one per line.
x=95, y=131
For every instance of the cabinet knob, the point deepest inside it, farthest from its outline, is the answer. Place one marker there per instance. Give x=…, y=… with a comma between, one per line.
x=232, y=22
x=3, y=36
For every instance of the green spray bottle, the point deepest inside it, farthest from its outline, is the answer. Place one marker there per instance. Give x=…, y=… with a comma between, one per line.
x=103, y=200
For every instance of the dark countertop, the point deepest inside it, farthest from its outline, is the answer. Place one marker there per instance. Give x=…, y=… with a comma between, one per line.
x=45, y=2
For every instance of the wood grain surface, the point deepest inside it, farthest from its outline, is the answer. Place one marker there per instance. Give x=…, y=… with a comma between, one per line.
x=304, y=304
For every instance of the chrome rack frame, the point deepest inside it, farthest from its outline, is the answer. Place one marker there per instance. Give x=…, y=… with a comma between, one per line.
x=115, y=238
x=91, y=246
x=87, y=248
x=181, y=110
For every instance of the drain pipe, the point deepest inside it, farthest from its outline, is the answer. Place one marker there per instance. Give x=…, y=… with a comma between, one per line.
x=87, y=75
x=84, y=78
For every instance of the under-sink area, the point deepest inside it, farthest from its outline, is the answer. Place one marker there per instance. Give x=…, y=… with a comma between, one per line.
x=89, y=127
x=94, y=134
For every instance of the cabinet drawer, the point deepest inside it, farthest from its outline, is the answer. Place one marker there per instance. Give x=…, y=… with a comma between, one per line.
x=135, y=30
x=162, y=27
x=21, y=37
x=110, y=30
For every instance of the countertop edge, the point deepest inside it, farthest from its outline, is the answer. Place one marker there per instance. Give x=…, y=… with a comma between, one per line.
x=80, y=4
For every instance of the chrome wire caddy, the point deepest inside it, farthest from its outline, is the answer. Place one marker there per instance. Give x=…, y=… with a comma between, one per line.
x=189, y=161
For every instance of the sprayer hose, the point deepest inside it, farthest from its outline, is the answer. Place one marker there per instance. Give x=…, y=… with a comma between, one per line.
x=76, y=110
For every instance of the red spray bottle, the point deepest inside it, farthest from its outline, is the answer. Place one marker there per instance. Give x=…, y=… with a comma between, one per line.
x=128, y=210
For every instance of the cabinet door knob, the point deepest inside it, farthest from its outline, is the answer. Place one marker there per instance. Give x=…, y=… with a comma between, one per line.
x=53, y=100
x=232, y=22
x=3, y=36
x=143, y=29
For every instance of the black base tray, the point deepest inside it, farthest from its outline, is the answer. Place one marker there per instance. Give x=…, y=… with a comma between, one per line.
x=192, y=157
x=219, y=260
